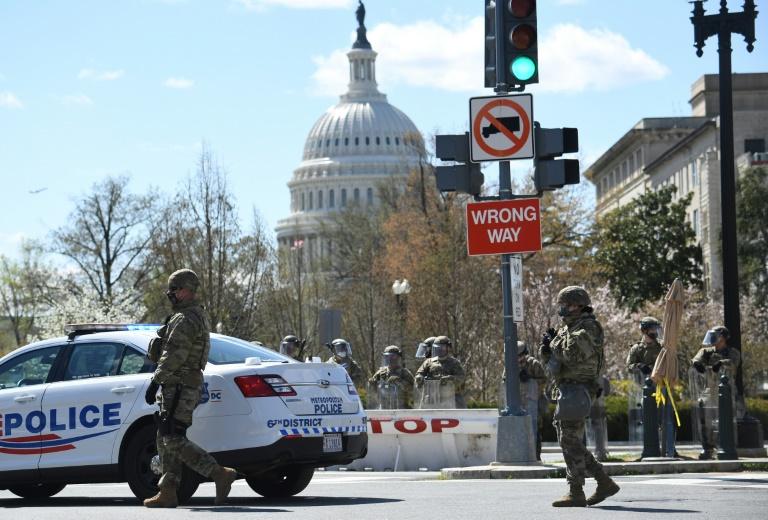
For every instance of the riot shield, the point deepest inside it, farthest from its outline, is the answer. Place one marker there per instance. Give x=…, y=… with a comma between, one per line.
x=434, y=394
x=384, y=396
x=635, y=407
x=703, y=392
x=529, y=397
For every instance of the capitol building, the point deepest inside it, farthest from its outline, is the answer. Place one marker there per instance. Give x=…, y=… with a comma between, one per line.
x=354, y=148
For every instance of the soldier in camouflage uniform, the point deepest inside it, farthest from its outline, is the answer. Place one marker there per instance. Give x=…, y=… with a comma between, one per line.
x=443, y=367
x=642, y=355
x=716, y=353
x=575, y=356
x=393, y=372
x=181, y=352
x=342, y=355
x=531, y=368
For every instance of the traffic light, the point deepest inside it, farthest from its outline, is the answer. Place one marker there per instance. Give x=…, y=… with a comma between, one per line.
x=490, y=44
x=550, y=143
x=521, y=45
x=464, y=177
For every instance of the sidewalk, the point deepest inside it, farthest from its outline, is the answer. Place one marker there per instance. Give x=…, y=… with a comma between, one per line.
x=553, y=467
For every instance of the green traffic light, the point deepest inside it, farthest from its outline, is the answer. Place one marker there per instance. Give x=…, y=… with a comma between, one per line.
x=523, y=68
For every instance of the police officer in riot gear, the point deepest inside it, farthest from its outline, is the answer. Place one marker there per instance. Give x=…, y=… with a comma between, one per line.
x=642, y=355
x=714, y=354
x=392, y=372
x=444, y=367
x=292, y=347
x=342, y=355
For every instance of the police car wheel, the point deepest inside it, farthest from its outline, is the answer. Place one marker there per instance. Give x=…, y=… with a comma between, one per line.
x=138, y=468
x=282, y=482
x=36, y=491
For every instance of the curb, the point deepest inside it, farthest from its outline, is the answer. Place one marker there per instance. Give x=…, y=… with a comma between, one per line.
x=611, y=468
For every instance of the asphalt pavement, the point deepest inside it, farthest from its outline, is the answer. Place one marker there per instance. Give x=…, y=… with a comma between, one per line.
x=364, y=496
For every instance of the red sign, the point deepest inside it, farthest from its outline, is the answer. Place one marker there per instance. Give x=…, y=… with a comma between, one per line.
x=414, y=424
x=503, y=227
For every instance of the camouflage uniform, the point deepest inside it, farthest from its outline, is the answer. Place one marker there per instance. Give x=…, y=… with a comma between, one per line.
x=642, y=353
x=353, y=369
x=400, y=377
x=709, y=356
x=575, y=355
x=447, y=369
x=185, y=344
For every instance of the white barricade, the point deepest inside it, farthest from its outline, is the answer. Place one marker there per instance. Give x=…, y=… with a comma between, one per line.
x=406, y=440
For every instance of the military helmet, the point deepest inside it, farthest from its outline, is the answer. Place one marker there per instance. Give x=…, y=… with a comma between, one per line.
x=442, y=340
x=649, y=322
x=341, y=348
x=184, y=279
x=429, y=341
x=290, y=338
x=574, y=295
x=522, y=348
x=393, y=349
x=722, y=331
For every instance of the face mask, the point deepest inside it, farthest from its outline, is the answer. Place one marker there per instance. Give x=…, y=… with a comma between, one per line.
x=653, y=335
x=563, y=311
x=172, y=297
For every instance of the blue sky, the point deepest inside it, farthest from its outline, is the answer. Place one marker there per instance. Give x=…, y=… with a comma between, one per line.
x=90, y=88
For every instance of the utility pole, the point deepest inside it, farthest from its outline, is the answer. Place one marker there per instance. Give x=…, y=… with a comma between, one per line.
x=723, y=25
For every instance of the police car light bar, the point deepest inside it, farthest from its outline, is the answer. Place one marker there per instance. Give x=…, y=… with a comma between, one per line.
x=78, y=329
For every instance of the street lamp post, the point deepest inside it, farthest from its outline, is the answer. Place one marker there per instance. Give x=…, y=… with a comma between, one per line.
x=723, y=24
x=400, y=288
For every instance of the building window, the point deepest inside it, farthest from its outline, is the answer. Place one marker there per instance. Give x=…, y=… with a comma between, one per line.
x=343, y=197
x=331, y=199
x=302, y=202
x=367, y=141
x=694, y=173
x=311, y=200
x=336, y=142
x=397, y=141
x=695, y=222
x=387, y=139
x=320, y=199
x=639, y=158
x=378, y=140
x=369, y=195
x=356, y=195
x=327, y=143
x=357, y=141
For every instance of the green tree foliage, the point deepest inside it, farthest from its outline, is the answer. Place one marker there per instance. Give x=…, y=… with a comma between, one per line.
x=752, y=225
x=641, y=247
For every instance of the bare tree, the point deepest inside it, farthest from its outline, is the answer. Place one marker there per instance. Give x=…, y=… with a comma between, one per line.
x=107, y=238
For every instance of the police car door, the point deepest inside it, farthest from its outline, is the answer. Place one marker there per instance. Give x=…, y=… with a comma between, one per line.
x=89, y=404
x=23, y=381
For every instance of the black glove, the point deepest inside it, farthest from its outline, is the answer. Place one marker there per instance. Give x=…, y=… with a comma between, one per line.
x=151, y=394
x=524, y=376
x=699, y=366
x=646, y=369
x=545, y=349
x=716, y=366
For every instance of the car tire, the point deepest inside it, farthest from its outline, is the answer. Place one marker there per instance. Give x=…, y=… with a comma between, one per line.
x=138, y=472
x=282, y=482
x=36, y=491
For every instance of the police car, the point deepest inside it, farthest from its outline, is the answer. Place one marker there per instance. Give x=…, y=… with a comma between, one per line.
x=72, y=410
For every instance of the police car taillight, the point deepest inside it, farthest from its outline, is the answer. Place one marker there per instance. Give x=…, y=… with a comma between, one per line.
x=264, y=386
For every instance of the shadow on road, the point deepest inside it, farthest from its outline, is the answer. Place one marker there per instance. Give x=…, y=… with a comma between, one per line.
x=234, y=504
x=644, y=509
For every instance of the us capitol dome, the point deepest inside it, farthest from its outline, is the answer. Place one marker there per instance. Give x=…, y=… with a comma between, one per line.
x=359, y=144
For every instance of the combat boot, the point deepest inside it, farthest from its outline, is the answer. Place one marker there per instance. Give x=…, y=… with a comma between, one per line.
x=574, y=498
x=165, y=498
x=606, y=487
x=223, y=477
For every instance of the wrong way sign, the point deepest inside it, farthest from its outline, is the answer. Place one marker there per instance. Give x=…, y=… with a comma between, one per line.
x=503, y=227
x=501, y=128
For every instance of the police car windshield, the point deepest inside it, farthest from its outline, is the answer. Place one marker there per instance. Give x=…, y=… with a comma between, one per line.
x=226, y=350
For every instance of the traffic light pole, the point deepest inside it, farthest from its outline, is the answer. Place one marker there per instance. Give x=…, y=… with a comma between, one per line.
x=515, y=442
